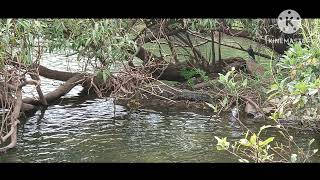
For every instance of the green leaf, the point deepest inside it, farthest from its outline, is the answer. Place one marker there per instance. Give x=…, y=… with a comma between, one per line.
x=88, y=41
x=222, y=78
x=310, y=142
x=215, y=109
x=266, y=142
x=247, y=134
x=9, y=24
x=273, y=88
x=217, y=138
x=29, y=57
x=24, y=24
x=243, y=161
x=282, y=82
x=224, y=102
x=104, y=76
x=227, y=75
x=301, y=86
x=253, y=139
x=37, y=24
x=107, y=73
x=304, y=99
x=315, y=151
x=222, y=143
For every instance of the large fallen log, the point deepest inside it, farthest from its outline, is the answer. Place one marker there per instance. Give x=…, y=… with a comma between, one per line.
x=54, y=74
x=173, y=95
x=60, y=91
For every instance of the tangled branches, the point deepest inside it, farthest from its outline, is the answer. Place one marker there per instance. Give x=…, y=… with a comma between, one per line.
x=12, y=79
x=129, y=81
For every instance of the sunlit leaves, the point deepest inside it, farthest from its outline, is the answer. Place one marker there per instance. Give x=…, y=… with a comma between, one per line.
x=243, y=161
x=190, y=73
x=250, y=146
x=214, y=108
x=222, y=144
x=266, y=142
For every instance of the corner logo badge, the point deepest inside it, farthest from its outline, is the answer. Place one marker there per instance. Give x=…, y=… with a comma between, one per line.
x=289, y=21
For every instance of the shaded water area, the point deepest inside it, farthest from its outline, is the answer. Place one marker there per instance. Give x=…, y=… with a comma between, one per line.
x=84, y=129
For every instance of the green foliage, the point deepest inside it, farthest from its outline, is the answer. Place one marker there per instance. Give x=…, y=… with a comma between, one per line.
x=222, y=143
x=230, y=83
x=101, y=41
x=19, y=38
x=297, y=77
x=250, y=146
x=311, y=34
x=201, y=24
x=297, y=82
x=105, y=40
x=253, y=147
x=190, y=73
x=103, y=74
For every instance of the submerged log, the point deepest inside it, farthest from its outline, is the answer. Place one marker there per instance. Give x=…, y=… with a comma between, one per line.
x=164, y=105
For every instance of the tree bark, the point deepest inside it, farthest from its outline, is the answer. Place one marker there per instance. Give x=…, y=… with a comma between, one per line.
x=219, y=50
x=56, y=75
x=39, y=91
x=60, y=91
x=213, y=49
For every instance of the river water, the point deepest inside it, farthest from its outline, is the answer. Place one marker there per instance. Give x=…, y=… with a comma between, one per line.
x=84, y=129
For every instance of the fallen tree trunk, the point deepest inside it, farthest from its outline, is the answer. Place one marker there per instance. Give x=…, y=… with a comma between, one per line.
x=28, y=107
x=160, y=94
x=56, y=75
x=60, y=91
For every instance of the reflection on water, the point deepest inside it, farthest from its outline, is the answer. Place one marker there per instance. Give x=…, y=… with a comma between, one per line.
x=90, y=133
x=91, y=130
